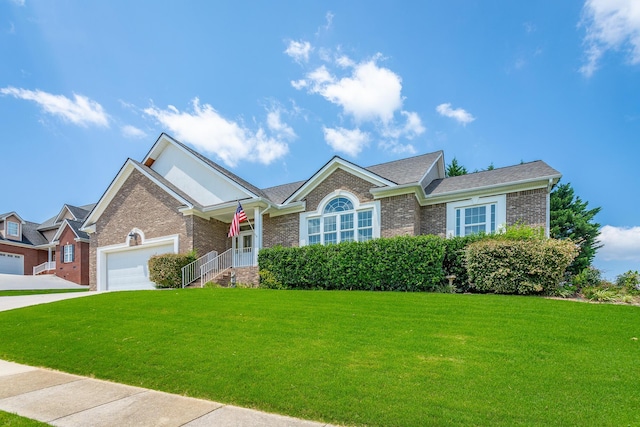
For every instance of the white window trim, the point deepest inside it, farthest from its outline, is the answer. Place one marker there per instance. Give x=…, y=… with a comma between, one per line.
x=501, y=211
x=374, y=206
x=71, y=253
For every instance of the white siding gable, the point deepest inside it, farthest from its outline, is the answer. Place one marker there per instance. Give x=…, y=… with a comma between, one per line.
x=205, y=185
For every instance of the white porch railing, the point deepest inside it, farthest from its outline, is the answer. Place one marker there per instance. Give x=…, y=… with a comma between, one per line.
x=45, y=266
x=226, y=260
x=216, y=266
x=192, y=272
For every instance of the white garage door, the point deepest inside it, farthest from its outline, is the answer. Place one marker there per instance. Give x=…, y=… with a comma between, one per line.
x=11, y=263
x=128, y=269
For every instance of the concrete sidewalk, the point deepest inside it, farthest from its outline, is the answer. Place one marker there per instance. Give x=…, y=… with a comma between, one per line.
x=63, y=400
x=10, y=282
x=19, y=301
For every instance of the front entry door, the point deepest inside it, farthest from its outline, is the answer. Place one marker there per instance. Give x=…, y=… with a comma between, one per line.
x=243, y=254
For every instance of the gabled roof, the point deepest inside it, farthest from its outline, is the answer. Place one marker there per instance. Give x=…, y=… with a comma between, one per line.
x=129, y=166
x=525, y=172
x=406, y=171
x=3, y=217
x=338, y=163
x=79, y=213
x=209, y=163
x=280, y=193
x=74, y=226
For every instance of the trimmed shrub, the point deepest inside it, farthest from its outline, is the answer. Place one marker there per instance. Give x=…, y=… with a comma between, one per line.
x=166, y=270
x=629, y=281
x=387, y=264
x=518, y=266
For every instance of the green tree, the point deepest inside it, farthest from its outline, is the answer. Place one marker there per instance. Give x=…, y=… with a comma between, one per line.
x=454, y=169
x=570, y=219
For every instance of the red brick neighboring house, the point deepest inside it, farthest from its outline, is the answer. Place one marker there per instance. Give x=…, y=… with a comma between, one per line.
x=177, y=200
x=56, y=246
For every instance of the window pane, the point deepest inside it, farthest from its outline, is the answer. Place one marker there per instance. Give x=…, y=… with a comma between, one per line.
x=330, y=223
x=12, y=228
x=346, y=221
x=314, y=226
x=457, y=222
x=315, y=239
x=339, y=204
x=473, y=229
x=330, y=238
x=346, y=236
x=365, y=219
x=365, y=234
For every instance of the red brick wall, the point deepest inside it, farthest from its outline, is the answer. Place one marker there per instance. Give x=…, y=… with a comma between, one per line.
x=32, y=257
x=400, y=215
x=281, y=230
x=528, y=206
x=76, y=271
x=339, y=180
x=434, y=219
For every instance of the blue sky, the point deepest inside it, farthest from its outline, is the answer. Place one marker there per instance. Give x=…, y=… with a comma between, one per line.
x=272, y=90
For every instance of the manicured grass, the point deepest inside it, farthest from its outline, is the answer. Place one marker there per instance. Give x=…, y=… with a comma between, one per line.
x=356, y=358
x=39, y=291
x=12, y=420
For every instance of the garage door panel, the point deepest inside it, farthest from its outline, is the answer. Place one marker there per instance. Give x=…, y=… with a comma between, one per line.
x=128, y=269
x=11, y=263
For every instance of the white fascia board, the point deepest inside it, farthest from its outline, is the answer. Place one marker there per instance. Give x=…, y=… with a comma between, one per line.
x=89, y=229
x=434, y=164
x=413, y=188
x=333, y=165
x=124, y=173
x=81, y=239
x=289, y=208
x=166, y=139
x=60, y=229
x=51, y=244
x=4, y=218
x=529, y=184
x=64, y=207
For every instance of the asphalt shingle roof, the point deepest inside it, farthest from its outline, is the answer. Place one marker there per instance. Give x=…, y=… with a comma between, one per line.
x=506, y=175
x=30, y=235
x=405, y=171
x=280, y=193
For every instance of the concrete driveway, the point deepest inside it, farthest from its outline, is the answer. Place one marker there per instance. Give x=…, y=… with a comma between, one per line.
x=11, y=282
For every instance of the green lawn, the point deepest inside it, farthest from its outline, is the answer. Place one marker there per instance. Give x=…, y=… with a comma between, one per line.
x=356, y=358
x=39, y=291
x=12, y=420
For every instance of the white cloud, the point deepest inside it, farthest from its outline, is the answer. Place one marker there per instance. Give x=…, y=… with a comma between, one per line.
x=80, y=110
x=299, y=51
x=299, y=84
x=412, y=127
x=610, y=25
x=461, y=116
x=346, y=141
x=133, y=132
x=620, y=243
x=370, y=93
x=207, y=130
x=275, y=124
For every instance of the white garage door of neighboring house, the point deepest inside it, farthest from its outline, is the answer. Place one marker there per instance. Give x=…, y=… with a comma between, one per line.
x=11, y=263
x=128, y=269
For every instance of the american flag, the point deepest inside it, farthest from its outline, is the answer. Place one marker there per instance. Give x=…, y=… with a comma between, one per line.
x=238, y=217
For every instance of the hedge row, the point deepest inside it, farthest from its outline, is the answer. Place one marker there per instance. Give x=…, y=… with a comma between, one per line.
x=528, y=266
x=166, y=270
x=394, y=264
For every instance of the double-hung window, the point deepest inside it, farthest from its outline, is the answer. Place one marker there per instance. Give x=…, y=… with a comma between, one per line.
x=478, y=215
x=340, y=221
x=68, y=252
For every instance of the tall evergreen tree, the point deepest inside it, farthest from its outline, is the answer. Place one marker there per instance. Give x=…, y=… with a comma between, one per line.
x=454, y=169
x=570, y=219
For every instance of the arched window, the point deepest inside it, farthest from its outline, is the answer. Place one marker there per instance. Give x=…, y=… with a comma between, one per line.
x=339, y=222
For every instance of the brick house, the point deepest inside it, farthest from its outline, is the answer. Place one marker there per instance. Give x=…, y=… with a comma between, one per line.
x=177, y=200
x=29, y=248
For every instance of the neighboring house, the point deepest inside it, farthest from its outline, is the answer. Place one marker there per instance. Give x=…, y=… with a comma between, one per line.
x=29, y=248
x=177, y=200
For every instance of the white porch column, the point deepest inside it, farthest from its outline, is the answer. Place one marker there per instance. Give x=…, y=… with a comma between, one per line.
x=49, y=257
x=257, y=224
